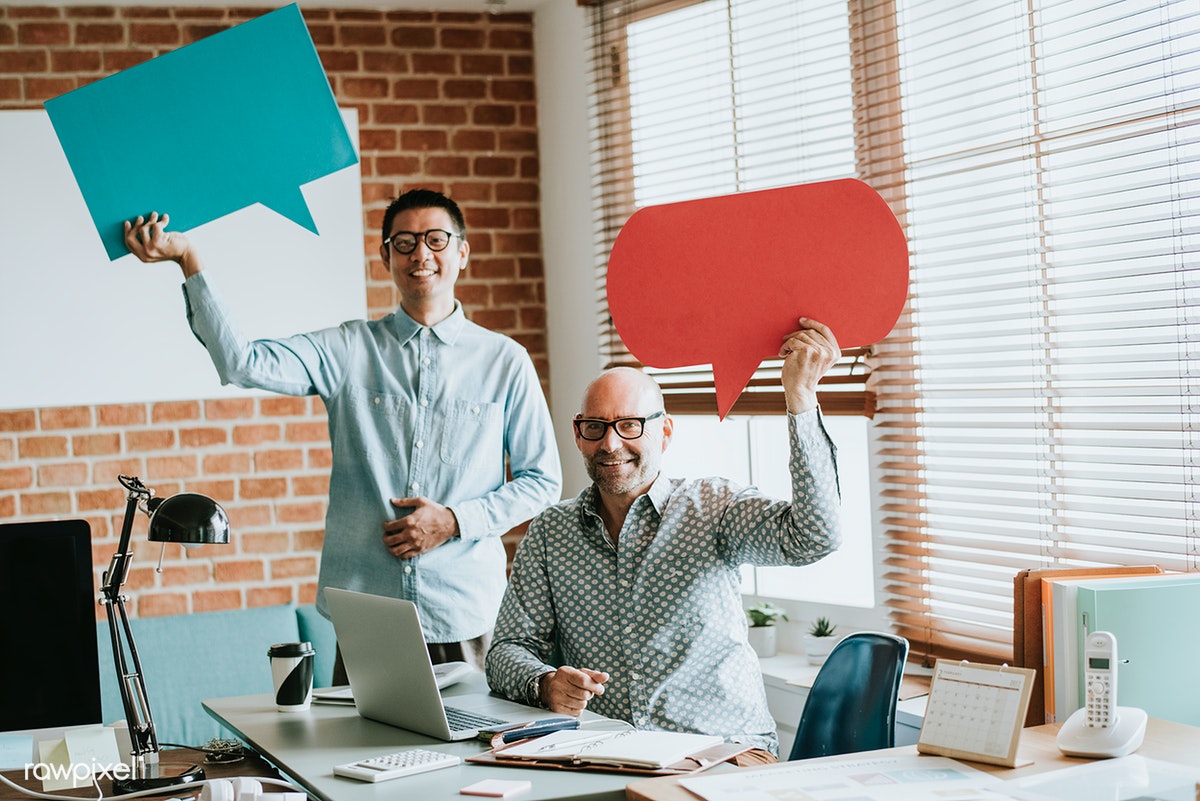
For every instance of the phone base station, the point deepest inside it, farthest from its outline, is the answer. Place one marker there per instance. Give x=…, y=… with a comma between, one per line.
x=1076, y=738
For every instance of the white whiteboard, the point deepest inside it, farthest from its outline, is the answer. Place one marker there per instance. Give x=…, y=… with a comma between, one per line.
x=77, y=329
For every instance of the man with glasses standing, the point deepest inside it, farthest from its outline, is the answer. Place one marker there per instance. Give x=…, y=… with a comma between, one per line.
x=626, y=599
x=424, y=408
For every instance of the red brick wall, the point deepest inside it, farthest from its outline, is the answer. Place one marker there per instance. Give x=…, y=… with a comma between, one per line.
x=445, y=100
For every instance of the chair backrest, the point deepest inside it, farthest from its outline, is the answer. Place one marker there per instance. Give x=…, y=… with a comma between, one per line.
x=852, y=704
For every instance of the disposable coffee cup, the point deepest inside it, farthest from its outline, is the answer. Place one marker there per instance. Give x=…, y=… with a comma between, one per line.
x=292, y=672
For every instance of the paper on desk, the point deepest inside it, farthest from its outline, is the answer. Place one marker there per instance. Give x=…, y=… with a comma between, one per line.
x=1123, y=779
x=16, y=751
x=899, y=778
x=337, y=695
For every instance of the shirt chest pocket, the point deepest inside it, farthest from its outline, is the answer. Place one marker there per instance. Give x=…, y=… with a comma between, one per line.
x=378, y=421
x=473, y=433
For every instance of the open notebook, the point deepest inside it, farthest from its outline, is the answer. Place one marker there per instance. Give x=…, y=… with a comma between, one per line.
x=628, y=748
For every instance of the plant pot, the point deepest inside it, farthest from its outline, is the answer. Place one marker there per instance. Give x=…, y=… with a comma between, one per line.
x=817, y=648
x=762, y=640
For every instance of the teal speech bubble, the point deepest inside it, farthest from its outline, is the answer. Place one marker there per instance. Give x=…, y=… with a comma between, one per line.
x=244, y=116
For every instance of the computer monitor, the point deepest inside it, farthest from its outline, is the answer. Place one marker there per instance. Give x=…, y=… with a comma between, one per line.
x=49, y=671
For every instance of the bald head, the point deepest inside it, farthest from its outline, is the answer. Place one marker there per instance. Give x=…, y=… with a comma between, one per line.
x=624, y=386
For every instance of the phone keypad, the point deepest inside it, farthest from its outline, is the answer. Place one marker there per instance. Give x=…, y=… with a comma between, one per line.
x=1099, y=712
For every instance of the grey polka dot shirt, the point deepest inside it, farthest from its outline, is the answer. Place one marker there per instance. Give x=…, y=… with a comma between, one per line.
x=661, y=610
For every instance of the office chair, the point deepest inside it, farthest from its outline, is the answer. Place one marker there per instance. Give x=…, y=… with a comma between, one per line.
x=852, y=704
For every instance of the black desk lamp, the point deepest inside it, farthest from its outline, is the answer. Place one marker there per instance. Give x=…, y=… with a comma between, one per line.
x=186, y=518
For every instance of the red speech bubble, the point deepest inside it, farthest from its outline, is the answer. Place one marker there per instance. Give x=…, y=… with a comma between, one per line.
x=722, y=280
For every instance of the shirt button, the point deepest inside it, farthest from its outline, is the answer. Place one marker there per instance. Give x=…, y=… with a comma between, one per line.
x=408, y=569
x=415, y=486
x=425, y=361
x=635, y=676
x=628, y=629
x=424, y=401
x=420, y=444
x=378, y=401
x=474, y=410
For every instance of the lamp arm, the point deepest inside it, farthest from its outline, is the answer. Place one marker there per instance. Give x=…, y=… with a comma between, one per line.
x=134, y=699
x=129, y=681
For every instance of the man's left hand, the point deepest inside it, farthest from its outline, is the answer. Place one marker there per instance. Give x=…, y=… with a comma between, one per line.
x=425, y=528
x=807, y=355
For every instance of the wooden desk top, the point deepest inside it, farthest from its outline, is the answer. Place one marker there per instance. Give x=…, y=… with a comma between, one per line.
x=173, y=761
x=1165, y=740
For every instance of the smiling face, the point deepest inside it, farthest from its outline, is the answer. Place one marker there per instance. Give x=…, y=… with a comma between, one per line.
x=426, y=277
x=624, y=467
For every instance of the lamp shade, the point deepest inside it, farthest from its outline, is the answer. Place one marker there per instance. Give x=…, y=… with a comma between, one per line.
x=189, y=518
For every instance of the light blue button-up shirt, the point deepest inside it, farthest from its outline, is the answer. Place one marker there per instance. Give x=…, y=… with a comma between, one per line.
x=660, y=610
x=413, y=411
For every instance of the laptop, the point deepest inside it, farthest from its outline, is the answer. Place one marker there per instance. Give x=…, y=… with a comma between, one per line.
x=391, y=677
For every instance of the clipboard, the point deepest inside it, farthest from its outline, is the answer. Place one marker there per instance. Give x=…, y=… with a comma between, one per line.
x=696, y=763
x=976, y=712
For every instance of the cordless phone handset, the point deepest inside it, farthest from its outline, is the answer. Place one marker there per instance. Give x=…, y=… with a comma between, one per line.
x=1101, y=728
x=1100, y=679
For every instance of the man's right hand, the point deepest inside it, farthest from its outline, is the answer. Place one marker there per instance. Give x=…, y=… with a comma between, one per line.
x=149, y=241
x=567, y=690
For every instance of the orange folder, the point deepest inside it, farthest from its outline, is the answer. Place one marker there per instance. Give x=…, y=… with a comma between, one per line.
x=1028, y=631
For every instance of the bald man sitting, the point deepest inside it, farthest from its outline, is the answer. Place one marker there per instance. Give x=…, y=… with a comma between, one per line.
x=625, y=600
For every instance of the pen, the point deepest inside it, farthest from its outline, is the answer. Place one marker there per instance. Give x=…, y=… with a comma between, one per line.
x=538, y=728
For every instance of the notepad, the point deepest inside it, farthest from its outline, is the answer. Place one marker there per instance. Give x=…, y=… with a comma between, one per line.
x=630, y=748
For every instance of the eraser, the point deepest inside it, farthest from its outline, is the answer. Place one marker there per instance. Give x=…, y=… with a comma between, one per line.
x=496, y=788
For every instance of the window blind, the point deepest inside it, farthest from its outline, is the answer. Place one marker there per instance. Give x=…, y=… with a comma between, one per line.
x=1036, y=401
x=695, y=99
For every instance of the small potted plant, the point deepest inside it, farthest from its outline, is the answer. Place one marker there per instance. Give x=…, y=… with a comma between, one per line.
x=819, y=641
x=762, y=627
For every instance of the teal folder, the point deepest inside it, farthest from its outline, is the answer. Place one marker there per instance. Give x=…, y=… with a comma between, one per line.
x=1153, y=619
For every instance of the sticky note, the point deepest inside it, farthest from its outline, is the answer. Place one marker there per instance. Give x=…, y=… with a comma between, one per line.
x=496, y=788
x=93, y=745
x=723, y=280
x=56, y=769
x=244, y=116
x=16, y=751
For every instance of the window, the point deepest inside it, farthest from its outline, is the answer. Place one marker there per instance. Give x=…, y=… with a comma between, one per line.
x=1038, y=409
x=1035, y=400
x=753, y=450
x=698, y=99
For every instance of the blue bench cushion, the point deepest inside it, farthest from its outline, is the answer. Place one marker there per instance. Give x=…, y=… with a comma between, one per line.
x=189, y=658
x=319, y=631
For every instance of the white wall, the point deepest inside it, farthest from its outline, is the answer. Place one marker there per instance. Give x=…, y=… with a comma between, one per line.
x=103, y=330
x=560, y=52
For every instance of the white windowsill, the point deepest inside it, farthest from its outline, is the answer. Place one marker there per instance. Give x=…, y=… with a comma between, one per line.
x=792, y=673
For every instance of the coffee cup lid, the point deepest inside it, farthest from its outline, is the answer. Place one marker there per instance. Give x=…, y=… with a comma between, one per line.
x=284, y=649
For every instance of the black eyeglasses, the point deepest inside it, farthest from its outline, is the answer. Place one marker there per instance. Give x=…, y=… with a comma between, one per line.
x=626, y=427
x=405, y=242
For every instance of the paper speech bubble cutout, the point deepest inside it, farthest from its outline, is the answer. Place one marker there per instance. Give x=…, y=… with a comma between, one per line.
x=722, y=280
x=244, y=116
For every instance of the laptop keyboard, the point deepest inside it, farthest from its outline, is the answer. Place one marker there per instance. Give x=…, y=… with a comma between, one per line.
x=462, y=720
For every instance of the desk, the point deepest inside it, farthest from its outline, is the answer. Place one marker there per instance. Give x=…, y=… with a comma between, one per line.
x=173, y=761
x=306, y=746
x=1165, y=740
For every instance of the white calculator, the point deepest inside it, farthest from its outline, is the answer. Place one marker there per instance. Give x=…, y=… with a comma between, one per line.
x=393, y=766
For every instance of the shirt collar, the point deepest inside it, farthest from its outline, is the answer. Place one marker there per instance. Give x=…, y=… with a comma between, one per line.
x=448, y=330
x=658, y=495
